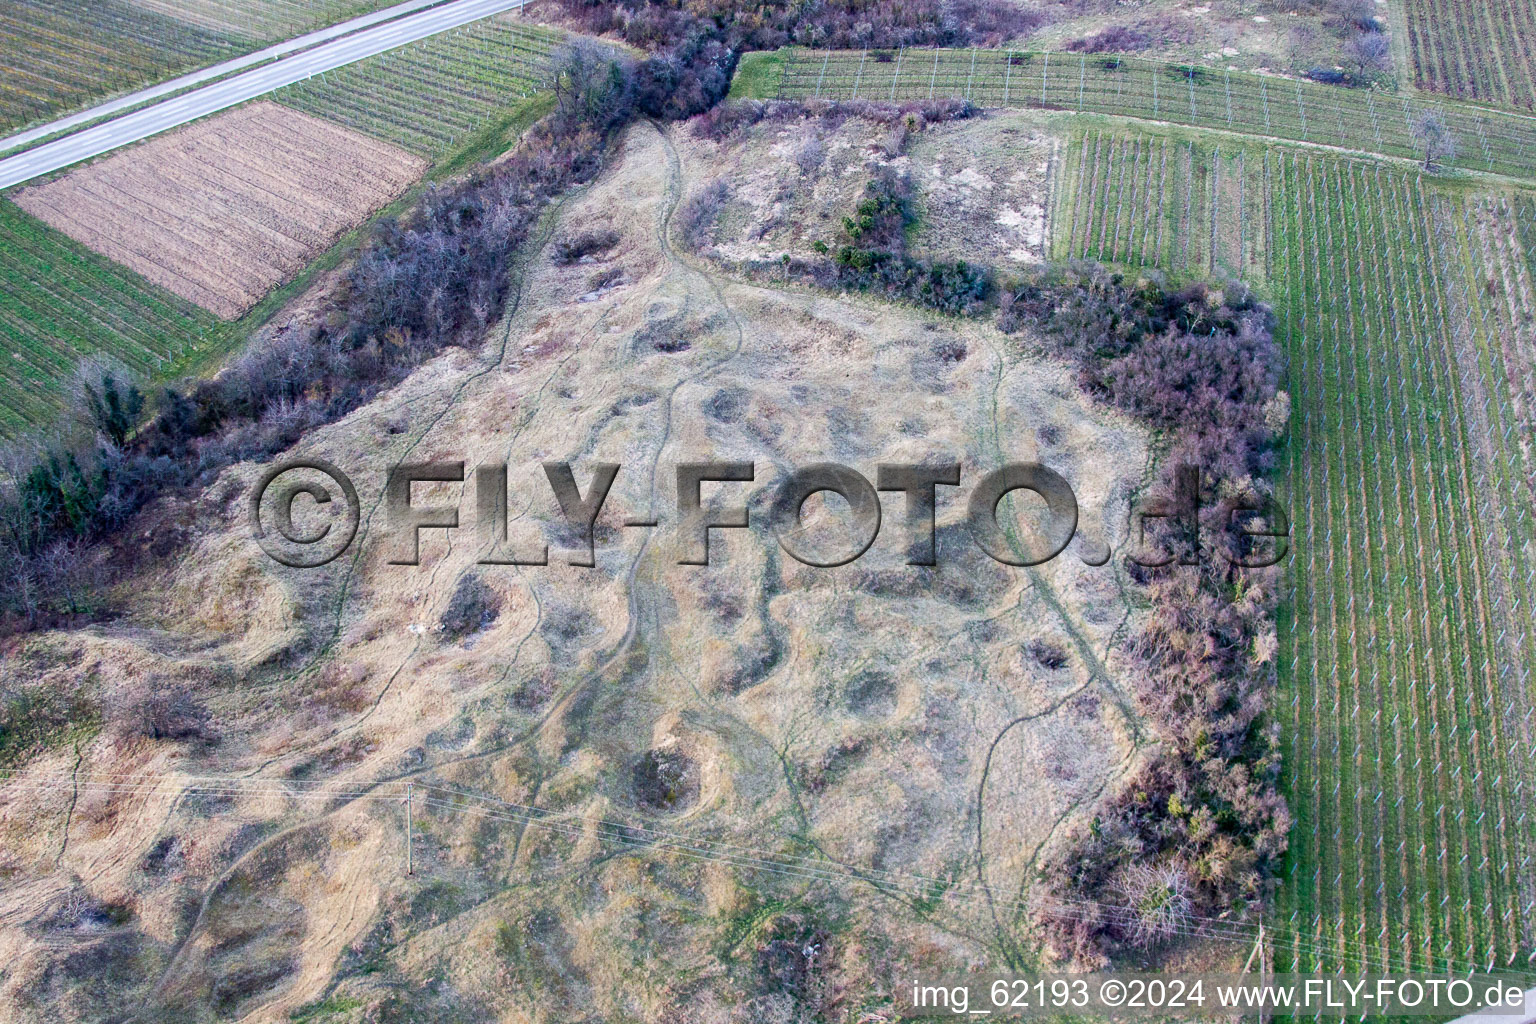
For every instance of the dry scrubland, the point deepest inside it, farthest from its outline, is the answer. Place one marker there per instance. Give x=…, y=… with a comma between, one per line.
x=223, y=211
x=1287, y=36
x=983, y=186
x=877, y=716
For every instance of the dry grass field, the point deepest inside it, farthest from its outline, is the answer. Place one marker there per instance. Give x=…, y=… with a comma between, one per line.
x=227, y=209
x=871, y=719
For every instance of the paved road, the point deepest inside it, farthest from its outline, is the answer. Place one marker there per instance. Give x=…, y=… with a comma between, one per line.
x=141, y=124
x=219, y=70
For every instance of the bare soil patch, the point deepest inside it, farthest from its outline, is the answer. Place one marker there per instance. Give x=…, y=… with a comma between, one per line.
x=225, y=210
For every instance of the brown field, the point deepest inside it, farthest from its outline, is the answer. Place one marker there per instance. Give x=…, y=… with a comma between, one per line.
x=224, y=211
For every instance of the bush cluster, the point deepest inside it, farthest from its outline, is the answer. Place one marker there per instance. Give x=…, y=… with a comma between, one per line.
x=1200, y=827
x=723, y=121
x=1114, y=39
x=873, y=257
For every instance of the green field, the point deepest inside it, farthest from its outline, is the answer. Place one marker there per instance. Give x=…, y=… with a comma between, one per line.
x=61, y=302
x=1403, y=765
x=1161, y=201
x=265, y=20
x=1251, y=104
x=1405, y=311
x=430, y=96
x=1478, y=50
x=57, y=55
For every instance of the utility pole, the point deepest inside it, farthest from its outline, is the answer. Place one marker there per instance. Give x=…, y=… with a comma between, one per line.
x=1259, y=953
x=408, y=794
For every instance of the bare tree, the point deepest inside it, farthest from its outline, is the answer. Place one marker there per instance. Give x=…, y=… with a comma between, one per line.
x=164, y=714
x=1159, y=901
x=1360, y=14
x=1368, y=52
x=1434, y=138
x=810, y=155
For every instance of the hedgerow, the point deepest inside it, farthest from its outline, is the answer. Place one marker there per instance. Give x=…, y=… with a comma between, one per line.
x=1201, y=824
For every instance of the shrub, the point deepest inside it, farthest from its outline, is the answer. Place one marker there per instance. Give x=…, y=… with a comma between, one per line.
x=1357, y=14
x=700, y=215
x=883, y=216
x=572, y=248
x=1048, y=655
x=665, y=780
x=1369, y=52
x=810, y=155
x=472, y=607
x=173, y=714
x=107, y=397
x=1114, y=39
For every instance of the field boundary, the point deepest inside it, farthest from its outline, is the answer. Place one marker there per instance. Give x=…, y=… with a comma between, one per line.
x=1489, y=140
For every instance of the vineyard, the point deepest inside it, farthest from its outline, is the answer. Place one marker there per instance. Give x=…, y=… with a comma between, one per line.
x=60, y=302
x=262, y=20
x=58, y=54
x=1479, y=51
x=1253, y=104
x=1408, y=315
x=1158, y=201
x=430, y=95
x=1403, y=733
